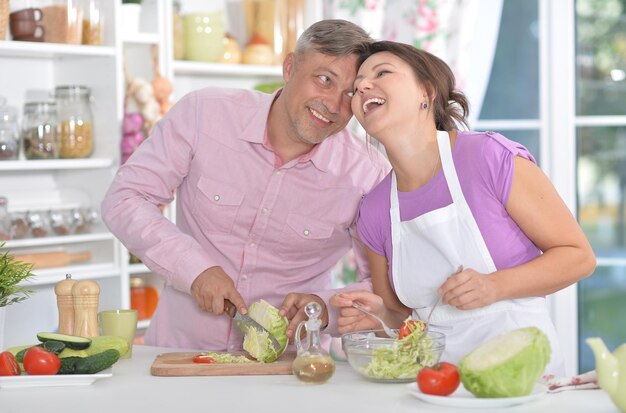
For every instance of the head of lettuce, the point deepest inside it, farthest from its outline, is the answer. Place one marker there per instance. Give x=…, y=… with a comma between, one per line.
x=258, y=344
x=507, y=365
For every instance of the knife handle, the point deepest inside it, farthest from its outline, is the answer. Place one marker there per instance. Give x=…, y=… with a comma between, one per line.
x=229, y=308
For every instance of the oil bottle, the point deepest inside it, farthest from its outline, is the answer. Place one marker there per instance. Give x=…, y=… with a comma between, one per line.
x=312, y=363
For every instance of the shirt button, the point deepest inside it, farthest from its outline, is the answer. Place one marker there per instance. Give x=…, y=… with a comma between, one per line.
x=252, y=244
x=216, y=197
x=306, y=232
x=279, y=171
x=232, y=346
x=265, y=210
x=244, y=277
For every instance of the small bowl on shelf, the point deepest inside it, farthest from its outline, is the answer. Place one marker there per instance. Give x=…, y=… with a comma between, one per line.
x=380, y=358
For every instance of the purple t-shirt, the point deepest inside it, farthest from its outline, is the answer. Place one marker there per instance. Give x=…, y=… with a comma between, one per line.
x=484, y=164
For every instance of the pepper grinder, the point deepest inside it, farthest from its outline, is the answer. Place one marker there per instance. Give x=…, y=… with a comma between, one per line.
x=86, y=294
x=65, y=304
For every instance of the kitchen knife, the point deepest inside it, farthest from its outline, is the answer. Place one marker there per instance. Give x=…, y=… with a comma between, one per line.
x=244, y=322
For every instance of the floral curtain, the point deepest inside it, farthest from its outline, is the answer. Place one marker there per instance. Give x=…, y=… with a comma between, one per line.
x=463, y=33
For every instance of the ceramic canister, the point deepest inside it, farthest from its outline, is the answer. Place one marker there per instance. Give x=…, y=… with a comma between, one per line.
x=203, y=35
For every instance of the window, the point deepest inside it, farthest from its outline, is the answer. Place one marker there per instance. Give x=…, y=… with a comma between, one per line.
x=601, y=168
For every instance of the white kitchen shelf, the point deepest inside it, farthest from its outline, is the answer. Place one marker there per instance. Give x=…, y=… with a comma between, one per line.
x=79, y=272
x=66, y=239
x=12, y=48
x=141, y=38
x=138, y=269
x=55, y=164
x=182, y=67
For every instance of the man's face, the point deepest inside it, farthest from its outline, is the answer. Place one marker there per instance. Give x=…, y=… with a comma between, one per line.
x=317, y=92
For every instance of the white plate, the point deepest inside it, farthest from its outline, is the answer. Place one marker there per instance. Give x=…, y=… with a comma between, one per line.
x=14, y=382
x=463, y=398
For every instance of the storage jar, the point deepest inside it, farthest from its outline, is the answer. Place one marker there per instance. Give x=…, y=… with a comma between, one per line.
x=40, y=131
x=9, y=132
x=75, y=120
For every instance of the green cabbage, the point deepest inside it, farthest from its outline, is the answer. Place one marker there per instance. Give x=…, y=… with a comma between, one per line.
x=507, y=365
x=258, y=344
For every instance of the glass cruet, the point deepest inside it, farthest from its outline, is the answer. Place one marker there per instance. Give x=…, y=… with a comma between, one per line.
x=312, y=363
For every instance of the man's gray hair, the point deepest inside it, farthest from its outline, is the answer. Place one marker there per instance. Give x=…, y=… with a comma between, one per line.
x=333, y=37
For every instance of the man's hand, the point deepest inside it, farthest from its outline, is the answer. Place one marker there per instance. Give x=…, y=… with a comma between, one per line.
x=212, y=287
x=293, y=308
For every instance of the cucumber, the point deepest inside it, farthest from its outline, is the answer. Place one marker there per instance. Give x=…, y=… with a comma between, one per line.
x=54, y=346
x=89, y=365
x=102, y=343
x=20, y=354
x=73, y=342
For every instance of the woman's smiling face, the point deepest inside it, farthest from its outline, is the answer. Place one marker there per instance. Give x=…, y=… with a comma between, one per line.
x=386, y=93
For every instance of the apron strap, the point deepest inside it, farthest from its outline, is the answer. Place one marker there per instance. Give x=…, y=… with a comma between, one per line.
x=394, y=210
x=447, y=164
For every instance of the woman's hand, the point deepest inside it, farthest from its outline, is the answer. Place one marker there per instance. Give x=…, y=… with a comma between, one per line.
x=468, y=290
x=351, y=319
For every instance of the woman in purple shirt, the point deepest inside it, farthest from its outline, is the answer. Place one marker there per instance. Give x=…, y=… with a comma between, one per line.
x=465, y=217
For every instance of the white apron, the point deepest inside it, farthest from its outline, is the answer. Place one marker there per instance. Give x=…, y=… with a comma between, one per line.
x=429, y=248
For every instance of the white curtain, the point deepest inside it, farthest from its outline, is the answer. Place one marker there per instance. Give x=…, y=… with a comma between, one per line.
x=463, y=33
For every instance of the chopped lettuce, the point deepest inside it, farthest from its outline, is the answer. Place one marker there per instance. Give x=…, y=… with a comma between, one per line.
x=227, y=358
x=257, y=343
x=507, y=365
x=404, y=359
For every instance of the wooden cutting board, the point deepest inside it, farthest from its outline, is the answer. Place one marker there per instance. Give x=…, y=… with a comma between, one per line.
x=181, y=364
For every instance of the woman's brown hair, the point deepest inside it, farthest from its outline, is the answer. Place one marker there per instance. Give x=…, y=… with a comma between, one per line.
x=448, y=103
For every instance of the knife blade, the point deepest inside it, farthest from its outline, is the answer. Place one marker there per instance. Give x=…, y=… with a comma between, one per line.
x=243, y=322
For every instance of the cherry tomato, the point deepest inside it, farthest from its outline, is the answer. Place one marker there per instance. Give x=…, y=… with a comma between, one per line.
x=203, y=358
x=407, y=328
x=9, y=365
x=41, y=362
x=442, y=379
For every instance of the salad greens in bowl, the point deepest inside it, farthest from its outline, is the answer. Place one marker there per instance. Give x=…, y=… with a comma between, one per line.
x=380, y=358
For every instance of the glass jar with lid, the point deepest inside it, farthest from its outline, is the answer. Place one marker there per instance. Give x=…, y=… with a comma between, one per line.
x=75, y=121
x=40, y=131
x=62, y=21
x=9, y=132
x=92, y=22
x=143, y=298
x=5, y=221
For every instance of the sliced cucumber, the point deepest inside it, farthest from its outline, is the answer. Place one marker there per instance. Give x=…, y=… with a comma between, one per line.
x=73, y=342
x=54, y=346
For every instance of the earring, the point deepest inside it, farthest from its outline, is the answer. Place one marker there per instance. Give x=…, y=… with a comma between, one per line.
x=424, y=105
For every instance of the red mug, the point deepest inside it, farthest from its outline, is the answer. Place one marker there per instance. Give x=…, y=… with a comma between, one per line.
x=29, y=14
x=26, y=30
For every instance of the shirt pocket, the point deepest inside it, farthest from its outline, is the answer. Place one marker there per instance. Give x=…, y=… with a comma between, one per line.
x=217, y=205
x=304, y=239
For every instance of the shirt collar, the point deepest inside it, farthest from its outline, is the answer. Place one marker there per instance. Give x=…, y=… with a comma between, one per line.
x=256, y=132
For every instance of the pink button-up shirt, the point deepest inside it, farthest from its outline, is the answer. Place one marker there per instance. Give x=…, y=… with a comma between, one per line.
x=273, y=228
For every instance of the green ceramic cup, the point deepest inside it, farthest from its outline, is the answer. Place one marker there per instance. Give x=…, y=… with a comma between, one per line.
x=203, y=35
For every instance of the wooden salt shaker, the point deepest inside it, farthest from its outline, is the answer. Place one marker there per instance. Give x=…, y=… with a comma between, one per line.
x=65, y=304
x=86, y=294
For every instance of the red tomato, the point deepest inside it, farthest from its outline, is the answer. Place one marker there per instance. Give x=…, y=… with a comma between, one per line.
x=407, y=328
x=442, y=379
x=9, y=365
x=41, y=362
x=203, y=358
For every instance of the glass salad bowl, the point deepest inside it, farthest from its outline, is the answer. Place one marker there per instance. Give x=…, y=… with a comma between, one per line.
x=380, y=358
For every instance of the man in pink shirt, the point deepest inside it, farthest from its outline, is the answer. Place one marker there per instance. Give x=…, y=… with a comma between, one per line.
x=267, y=189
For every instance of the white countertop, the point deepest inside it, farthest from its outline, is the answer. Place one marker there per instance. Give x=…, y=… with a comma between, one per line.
x=133, y=390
